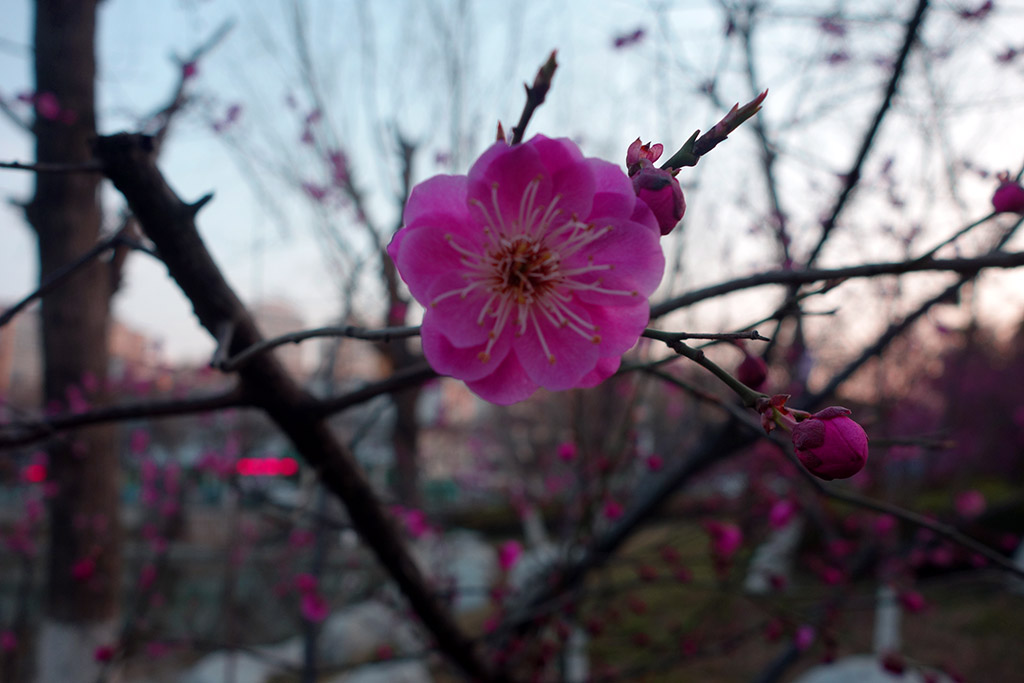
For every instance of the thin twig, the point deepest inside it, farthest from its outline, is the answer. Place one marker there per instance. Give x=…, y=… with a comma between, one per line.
x=20, y=433
x=401, y=379
x=661, y=335
x=535, y=95
x=57, y=277
x=852, y=177
x=383, y=335
x=71, y=167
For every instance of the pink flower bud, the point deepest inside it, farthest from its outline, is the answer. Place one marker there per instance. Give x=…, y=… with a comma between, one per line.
x=752, y=371
x=1009, y=196
x=656, y=187
x=660, y=190
x=830, y=444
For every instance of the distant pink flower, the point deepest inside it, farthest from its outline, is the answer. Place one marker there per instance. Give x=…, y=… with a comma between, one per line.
x=804, y=637
x=1009, y=196
x=47, y=106
x=628, y=39
x=831, y=445
x=83, y=569
x=305, y=583
x=508, y=554
x=567, y=451
x=534, y=269
x=753, y=371
x=781, y=513
x=726, y=538
x=978, y=13
x=656, y=187
x=612, y=509
x=416, y=523
x=655, y=462
x=314, y=607
x=833, y=26
x=913, y=602
x=970, y=503
x=104, y=653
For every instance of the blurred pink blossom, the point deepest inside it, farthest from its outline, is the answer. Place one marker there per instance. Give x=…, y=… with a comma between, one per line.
x=970, y=503
x=508, y=554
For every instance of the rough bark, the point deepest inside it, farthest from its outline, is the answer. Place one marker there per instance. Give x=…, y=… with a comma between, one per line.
x=66, y=215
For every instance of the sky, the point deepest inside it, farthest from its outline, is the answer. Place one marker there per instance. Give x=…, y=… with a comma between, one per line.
x=443, y=72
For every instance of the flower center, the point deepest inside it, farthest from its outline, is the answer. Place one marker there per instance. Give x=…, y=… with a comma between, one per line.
x=523, y=269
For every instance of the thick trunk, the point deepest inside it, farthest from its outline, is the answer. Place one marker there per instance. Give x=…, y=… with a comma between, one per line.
x=66, y=215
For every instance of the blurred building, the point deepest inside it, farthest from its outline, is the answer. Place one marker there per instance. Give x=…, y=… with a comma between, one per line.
x=132, y=354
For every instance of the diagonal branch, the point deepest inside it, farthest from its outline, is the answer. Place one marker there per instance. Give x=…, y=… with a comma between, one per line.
x=170, y=224
x=21, y=433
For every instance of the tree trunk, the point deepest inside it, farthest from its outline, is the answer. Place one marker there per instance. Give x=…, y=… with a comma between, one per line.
x=84, y=570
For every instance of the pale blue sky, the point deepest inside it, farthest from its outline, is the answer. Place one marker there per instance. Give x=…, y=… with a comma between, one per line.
x=602, y=96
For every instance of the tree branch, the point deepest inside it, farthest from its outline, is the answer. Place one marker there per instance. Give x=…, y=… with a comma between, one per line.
x=170, y=224
x=792, y=278
x=386, y=334
x=20, y=433
x=53, y=280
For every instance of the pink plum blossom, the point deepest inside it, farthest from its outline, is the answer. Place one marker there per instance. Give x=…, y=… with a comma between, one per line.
x=656, y=187
x=831, y=445
x=1009, y=196
x=534, y=269
x=726, y=538
x=804, y=637
x=508, y=554
x=612, y=509
x=970, y=503
x=314, y=607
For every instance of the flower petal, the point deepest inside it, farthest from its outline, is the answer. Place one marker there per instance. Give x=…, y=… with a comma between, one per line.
x=508, y=383
x=555, y=357
x=442, y=194
x=619, y=326
x=455, y=313
x=606, y=367
x=634, y=252
x=421, y=255
x=496, y=193
x=461, y=363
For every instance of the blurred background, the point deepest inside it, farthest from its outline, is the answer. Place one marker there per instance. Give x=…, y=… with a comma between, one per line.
x=310, y=119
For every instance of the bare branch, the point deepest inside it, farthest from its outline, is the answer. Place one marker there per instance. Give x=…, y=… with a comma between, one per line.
x=385, y=335
x=24, y=432
x=401, y=379
x=56, y=278
x=852, y=176
x=74, y=167
x=535, y=96
x=967, y=266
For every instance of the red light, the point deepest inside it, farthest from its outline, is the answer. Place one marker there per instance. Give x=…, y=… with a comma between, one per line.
x=266, y=467
x=34, y=473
